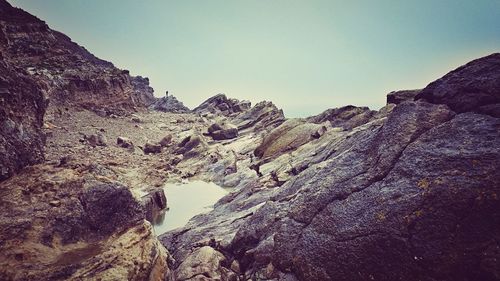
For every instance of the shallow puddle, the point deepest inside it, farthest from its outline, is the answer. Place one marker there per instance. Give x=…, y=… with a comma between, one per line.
x=186, y=200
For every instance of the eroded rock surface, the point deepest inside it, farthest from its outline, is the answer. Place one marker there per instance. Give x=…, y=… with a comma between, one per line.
x=471, y=87
x=72, y=224
x=409, y=192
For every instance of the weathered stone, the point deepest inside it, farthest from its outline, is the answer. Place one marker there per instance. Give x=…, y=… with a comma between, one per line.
x=469, y=87
x=205, y=261
x=154, y=202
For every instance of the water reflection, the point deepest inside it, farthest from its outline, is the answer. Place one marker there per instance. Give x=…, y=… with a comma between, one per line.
x=185, y=201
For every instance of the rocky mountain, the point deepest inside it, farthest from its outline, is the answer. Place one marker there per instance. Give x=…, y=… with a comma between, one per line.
x=408, y=192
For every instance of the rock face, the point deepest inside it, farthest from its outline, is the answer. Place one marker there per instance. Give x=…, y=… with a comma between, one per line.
x=22, y=106
x=68, y=73
x=473, y=87
x=409, y=192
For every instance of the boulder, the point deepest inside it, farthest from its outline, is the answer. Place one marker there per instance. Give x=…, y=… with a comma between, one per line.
x=124, y=142
x=152, y=148
x=96, y=140
x=472, y=87
x=225, y=134
x=154, y=202
x=223, y=131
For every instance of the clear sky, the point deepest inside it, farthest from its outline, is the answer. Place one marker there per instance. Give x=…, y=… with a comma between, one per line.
x=305, y=56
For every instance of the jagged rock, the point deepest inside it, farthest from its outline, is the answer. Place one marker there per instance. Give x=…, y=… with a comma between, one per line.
x=263, y=116
x=166, y=140
x=152, y=148
x=347, y=117
x=169, y=104
x=397, y=97
x=154, y=202
x=220, y=104
x=125, y=142
x=473, y=87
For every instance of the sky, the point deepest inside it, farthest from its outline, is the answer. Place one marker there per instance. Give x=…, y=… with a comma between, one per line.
x=305, y=56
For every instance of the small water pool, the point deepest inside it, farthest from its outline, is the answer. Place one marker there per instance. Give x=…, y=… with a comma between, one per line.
x=186, y=200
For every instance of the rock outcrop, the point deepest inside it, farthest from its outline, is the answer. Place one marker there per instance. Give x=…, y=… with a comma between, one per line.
x=220, y=104
x=69, y=224
x=409, y=192
x=68, y=73
x=474, y=87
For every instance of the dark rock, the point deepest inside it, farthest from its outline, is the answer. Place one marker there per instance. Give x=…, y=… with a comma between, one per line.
x=109, y=207
x=397, y=97
x=152, y=148
x=124, y=142
x=226, y=134
x=154, y=202
x=468, y=88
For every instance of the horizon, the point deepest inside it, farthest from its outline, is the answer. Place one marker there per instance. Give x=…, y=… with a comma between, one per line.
x=304, y=57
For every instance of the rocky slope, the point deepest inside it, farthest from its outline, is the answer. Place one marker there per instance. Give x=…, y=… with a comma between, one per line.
x=68, y=74
x=409, y=192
